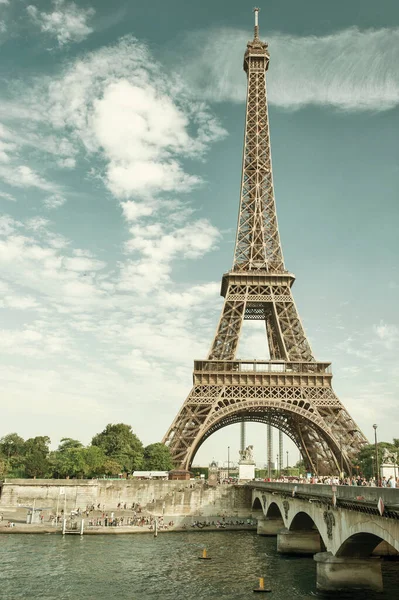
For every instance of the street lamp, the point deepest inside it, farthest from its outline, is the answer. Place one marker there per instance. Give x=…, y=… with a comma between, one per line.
x=287, y=461
x=228, y=462
x=277, y=466
x=376, y=455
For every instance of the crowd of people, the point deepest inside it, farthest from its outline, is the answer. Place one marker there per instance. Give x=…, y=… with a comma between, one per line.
x=221, y=524
x=385, y=482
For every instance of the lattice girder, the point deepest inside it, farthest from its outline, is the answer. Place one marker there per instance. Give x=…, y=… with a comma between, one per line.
x=293, y=410
x=291, y=391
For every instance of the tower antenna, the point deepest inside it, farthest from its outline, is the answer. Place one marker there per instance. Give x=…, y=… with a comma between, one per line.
x=256, y=11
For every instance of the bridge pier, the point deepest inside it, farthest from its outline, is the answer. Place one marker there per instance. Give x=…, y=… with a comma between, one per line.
x=334, y=574
x=269, y=526
x=298, y=542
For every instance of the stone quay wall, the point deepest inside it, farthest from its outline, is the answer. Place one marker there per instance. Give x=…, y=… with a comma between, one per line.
x=173, y=498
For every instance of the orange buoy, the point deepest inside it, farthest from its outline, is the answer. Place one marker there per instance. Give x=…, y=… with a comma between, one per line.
x=261, y=587
x=204, y=555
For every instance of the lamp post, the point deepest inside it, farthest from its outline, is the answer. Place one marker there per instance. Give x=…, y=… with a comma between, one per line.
x=277, y=466
x=372, y=466
x=287, y=461
x=376, y=455
x=228, y=462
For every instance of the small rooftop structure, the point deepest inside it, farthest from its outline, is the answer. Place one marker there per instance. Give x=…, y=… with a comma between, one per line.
x=150, y=474
x=180, y=475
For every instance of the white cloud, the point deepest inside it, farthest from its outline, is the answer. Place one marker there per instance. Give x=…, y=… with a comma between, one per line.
x=54, y=201
x=134, y=210
x=83, y=264
x=4, y=1
x=67, y=22
x=24, y=176
x=119, y=102
x=67, y=163
x=349, y=69
x=7, y=196
x=8, y=225
x=387, y=333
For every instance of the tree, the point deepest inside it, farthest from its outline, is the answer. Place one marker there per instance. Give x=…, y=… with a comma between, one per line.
x=157, y=458
x=39, y=443
x=120, y=443
x=36, y=451
x=95, y=461
x=11, y=445
x=365, y=460
x=3, y=467
x=111, y=467
x=69, y=463
x=69, y=444
x=36, y=464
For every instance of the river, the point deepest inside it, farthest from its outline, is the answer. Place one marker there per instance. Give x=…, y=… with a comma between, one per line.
x=141, y=567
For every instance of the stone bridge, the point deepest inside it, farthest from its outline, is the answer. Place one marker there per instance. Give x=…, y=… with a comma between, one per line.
x=341, y=526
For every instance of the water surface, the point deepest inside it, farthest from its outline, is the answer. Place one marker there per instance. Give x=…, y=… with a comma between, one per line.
x=140, y=567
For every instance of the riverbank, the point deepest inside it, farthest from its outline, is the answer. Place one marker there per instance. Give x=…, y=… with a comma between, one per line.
x=121, y=530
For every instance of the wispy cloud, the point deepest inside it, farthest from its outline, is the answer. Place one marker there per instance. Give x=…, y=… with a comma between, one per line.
x=351, y=69
x=7, y=196
x=54, y=201
x=388, y=334
x=67, y=22
x=24, y=176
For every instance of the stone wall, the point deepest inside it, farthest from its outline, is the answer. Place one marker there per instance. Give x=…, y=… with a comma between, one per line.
x=171, y=497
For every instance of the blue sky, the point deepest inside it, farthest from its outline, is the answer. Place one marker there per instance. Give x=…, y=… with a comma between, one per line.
x=121, y=130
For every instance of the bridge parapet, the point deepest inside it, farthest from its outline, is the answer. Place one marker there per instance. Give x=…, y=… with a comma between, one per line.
x=351, y=493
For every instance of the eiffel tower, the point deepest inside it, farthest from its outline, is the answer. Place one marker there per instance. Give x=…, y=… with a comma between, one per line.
x=292, y=391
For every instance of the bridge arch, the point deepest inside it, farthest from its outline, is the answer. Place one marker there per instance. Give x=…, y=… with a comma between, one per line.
x=363, y=538
x=290, y=418
x=274, y=511
x=302, y=522
x=359, y=545
x=257, y=505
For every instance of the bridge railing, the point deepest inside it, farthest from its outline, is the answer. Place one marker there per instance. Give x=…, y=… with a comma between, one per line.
x=345, y=493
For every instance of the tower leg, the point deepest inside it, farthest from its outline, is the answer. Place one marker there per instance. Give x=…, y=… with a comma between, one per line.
x=269, y=450
x=242, y=436
x=280, y=451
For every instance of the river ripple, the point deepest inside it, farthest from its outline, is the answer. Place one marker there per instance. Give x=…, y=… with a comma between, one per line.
x=140, y=567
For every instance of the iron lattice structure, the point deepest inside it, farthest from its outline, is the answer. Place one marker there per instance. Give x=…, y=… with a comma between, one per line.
x=291, y=391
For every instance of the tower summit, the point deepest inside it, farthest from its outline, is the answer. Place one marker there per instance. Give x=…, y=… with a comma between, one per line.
x=291, y=391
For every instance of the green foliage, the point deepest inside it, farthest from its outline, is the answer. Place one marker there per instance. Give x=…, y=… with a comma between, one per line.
x=36, y=464
x=69, y=462
x=39, y=444
x=36, y=451
x=11, y=445
x=122, y=445
x=67, y=444
x=95, y=461
x=111, y=467
x=301, y=466
x=113, y=451
x=157, y=458
x=3, y=467
x=365, y=460
x=198, y=471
